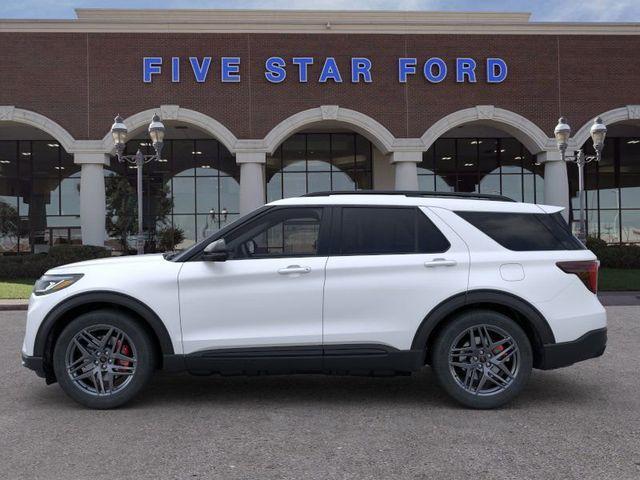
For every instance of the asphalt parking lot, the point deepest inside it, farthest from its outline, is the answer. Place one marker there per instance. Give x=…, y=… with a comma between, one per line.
x=581, y=422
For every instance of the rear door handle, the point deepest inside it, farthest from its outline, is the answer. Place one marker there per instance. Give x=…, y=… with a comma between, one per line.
x=440, y=262
x=293, y=269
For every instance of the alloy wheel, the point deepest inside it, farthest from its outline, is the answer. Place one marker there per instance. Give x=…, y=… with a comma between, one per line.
x=101, y=360
x=484, y=360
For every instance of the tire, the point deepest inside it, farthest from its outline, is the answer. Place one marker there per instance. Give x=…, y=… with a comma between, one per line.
x=510, y=348
x=103, y=377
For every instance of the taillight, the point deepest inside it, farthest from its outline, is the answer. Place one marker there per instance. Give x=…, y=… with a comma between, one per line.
x=587, y=271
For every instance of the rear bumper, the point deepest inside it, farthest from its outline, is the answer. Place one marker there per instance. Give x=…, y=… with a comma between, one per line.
x=34, y=363
x=590, y=345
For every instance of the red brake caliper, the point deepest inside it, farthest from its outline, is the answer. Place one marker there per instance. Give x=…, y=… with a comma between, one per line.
x=125, y=350
x=498, y=349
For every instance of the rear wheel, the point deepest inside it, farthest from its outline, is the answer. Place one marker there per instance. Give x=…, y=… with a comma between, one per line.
x=102, y=359
x=482, y=359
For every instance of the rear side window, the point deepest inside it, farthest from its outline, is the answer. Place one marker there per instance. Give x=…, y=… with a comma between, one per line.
x=524, y=232
x=386, y=230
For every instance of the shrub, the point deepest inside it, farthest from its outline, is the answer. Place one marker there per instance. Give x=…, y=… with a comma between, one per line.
x=34, y=265
x=169, y=237
x=615, y=256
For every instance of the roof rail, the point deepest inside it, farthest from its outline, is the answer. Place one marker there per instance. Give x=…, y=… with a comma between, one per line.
x=416, y=193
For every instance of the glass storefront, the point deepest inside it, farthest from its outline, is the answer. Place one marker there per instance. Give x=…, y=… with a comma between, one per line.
x=482, y=165
x=612, y=191
x=195, y=188
x=39, y=196
x=313, y=162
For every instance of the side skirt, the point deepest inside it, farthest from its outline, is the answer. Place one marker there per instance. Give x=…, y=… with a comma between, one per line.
x=376, y=360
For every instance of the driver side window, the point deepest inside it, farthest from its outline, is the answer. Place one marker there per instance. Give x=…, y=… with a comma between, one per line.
x=286, y=232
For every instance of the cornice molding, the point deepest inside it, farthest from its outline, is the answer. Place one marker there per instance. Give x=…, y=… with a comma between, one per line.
x=310, y=21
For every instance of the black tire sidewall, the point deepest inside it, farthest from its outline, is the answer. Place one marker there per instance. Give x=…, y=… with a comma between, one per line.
x=140, y=338
x=440, y=358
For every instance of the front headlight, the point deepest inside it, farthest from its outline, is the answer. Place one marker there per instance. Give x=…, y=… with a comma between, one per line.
x=54, y=283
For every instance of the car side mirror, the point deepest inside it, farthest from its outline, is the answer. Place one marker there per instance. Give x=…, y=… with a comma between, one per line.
x=216, y=251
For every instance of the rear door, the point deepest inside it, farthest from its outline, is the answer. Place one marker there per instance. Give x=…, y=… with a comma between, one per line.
x=389, y=267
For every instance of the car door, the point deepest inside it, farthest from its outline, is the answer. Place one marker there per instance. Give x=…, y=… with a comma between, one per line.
x=267, y=294
x=390, y=266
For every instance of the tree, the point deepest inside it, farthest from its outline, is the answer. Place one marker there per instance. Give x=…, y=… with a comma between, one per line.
x=9, y=221
x=122, y=209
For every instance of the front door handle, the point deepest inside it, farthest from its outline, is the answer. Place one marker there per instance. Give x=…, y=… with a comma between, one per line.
x=293, y=269
x=440, y=262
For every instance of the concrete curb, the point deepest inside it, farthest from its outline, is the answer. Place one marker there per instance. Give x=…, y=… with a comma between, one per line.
x=613, y=299
x=12, y=305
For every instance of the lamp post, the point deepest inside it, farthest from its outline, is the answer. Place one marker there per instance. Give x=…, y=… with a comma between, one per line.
x=562, y=133
x=119, y=133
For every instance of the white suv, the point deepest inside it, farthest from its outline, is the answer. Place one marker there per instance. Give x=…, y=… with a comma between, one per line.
x=480, y=288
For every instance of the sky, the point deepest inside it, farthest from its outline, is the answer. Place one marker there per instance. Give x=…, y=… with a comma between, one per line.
x=542, y=10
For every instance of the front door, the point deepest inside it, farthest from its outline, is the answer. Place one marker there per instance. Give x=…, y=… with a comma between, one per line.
x=267, y=296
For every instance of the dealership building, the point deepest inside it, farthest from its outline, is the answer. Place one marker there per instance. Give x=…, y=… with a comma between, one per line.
x=262, y=105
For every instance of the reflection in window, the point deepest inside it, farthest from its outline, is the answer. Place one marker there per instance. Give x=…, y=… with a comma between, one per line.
x=39, y=196
x=501, y=166
x=612, y=188
x=313, y=162
x=201, y=180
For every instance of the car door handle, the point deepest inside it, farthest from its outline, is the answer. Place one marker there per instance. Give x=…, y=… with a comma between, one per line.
x=293, y=269
x=440, y=262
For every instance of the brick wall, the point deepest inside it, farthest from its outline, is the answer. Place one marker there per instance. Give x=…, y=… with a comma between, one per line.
x=82, y=80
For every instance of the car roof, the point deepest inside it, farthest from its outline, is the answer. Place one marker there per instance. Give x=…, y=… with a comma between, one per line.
x=448, y=201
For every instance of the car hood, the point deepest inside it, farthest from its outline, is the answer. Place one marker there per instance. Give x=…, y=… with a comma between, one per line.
x=124, y=260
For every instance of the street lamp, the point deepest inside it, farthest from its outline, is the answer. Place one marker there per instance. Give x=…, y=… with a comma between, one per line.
x=562, y=133
x=119, y=133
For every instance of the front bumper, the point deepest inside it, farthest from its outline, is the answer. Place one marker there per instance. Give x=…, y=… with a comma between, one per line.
x=590, y=345
x=34, y=363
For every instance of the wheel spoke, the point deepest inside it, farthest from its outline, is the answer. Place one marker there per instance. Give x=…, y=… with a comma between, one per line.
x=497, y=379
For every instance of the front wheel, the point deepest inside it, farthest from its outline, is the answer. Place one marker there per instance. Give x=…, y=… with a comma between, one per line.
x=102, y=359
x=482, y=359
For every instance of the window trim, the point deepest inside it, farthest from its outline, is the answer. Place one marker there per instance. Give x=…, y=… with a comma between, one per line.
x=336, y=239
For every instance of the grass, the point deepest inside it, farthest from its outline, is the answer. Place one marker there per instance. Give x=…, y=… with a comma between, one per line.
x=12, y=289
x=617, y=279
x=611, y=279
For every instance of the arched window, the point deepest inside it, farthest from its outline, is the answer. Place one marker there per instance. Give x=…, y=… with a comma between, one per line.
x=312, y=162
x=486, y=165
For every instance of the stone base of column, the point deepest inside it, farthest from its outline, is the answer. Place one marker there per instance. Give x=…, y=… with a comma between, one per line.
x=92, y=197
x=556, y=181
x=252, y=183
x=406, y=169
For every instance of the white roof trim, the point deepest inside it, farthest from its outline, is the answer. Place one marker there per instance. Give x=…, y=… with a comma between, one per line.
x=312, y=21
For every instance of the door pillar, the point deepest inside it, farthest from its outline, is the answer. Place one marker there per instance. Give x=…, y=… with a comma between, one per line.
x=556, y=181
x=92, y=197
x=252, y=184
x=406, y=169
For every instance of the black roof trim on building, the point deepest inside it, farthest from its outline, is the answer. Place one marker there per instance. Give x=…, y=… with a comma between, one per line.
x=416, y=193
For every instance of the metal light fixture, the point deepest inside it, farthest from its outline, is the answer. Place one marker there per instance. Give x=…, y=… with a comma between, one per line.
x=598, y=134
x=119, y=133
x=562, y=133
x=224, y=213
x=156, y=132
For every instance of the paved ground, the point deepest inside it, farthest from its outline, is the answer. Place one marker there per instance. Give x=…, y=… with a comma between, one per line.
x=582, y=422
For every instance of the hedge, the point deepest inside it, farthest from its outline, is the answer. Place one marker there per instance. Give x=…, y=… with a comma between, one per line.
x=34, y=265
x=615, y=256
